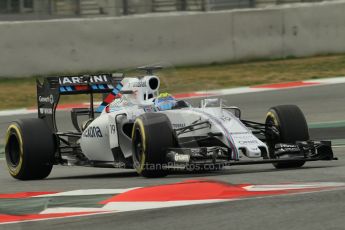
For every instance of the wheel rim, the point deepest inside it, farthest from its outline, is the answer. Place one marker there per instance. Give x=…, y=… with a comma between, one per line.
x=13, y=150
x=138, y=146
x=270, y=140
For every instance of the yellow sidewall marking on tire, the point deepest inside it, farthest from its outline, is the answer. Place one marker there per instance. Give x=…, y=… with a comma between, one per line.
x=273, y=116
x=15, y=170
x=140, y=123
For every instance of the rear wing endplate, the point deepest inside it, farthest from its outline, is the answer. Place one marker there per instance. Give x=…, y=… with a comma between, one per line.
x=49, y=91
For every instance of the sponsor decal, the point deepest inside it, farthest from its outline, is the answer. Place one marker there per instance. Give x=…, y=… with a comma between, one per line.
x=249, y=142
x=82, y=79
x=181, y=158
x=177, y=126
x=93, y=131
x=287, y=148
x=48, y=111
x=48, y=99
x=245, y=139
x=296, y=149
x=119, y=104
x=139, y=84
x=112, y=129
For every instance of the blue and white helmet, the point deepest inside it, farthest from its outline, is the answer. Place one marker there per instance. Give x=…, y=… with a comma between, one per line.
x=165, y=101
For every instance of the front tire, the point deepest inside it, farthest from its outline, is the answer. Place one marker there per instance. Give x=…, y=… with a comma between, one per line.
x=29, y=149
x=152, y=135
x=292, y=127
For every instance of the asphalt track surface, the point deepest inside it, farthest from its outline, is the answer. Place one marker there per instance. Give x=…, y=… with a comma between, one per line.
x=321, y=210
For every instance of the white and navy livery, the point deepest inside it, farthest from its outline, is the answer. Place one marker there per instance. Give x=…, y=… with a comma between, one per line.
x=137, y=127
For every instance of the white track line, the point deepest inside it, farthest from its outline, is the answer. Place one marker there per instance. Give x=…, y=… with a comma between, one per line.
x=88, y=192
x=129, y=207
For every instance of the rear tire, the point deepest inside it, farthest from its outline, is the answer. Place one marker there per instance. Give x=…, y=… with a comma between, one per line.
x=292, y=126
x=152, y=135
x=29, y=149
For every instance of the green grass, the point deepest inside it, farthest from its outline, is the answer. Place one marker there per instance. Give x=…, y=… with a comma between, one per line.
x=21, y=92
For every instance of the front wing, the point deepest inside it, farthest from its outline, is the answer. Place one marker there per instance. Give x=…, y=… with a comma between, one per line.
x=216, y=155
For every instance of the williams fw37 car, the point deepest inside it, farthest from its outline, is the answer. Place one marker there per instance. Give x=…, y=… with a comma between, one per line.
x=137, y=127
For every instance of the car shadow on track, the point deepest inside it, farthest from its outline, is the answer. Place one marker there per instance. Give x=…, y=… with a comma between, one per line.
x=97, y=176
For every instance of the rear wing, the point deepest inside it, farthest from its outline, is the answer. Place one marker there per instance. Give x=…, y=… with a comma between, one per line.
x=50, y=90
x=84, y=84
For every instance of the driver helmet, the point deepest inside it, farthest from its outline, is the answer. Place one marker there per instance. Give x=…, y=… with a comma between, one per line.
x=164, y=101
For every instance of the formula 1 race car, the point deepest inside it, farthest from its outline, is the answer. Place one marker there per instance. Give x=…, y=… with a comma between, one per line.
x=136, y=127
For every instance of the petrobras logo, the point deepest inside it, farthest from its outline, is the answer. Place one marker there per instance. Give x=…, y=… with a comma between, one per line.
x=93, y=131
x=48, y=99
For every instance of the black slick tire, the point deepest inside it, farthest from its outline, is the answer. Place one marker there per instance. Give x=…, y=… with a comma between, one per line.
x=152, y=135
x=292, y=126
x=29, y=149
